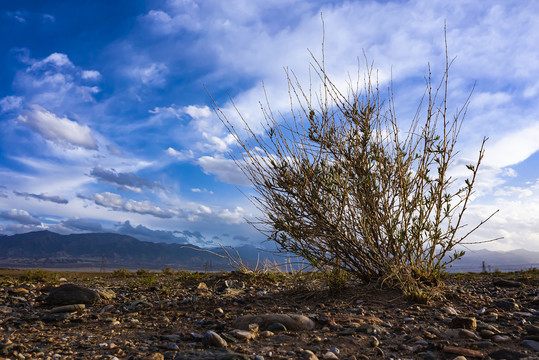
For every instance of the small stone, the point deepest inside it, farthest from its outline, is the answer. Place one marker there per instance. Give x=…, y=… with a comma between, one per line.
x=504, y=354
x=308, y=355
x=292, y=322
x=482, y=344
x=450, y=310
x=330, y=356
x=508, y=305
x=276, y=327
x=506, y=283
x=216, y=354
x=335, y=350
x=464, y=323
x=213, y=339
x=460, y=358
x=202, y=286
x=532, y=330
x=68, y=308
x=243, y=334
x=373, y=342
x=369, y=329
x=464, y=351
x=468, y=334
x=501, y=339
x=481, y=311
x=155, y=356
x=531, y=344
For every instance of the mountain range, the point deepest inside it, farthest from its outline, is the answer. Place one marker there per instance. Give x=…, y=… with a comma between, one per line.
x=107, y=251
x=110, y=251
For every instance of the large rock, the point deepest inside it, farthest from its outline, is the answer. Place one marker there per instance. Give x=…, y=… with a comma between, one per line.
x=292, y=322
x=70, y=294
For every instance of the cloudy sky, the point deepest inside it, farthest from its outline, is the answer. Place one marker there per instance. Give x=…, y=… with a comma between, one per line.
x=106, y=124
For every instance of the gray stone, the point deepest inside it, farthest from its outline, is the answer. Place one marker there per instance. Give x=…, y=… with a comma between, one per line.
x=213, y=339
x=276, y=327
x=243, y=334
x=506, y=283
x=508, y=305
x=532, y=330
x=70, y=294
x=531, y=344
x=292, y=322
x=504, y=354
x=216, y=354
x=68, y=308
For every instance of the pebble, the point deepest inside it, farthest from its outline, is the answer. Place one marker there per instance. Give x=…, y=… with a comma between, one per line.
x=464, y=323
x=500, y=339
x=308, y=355
x=531, y=344
x=213, y=339
x=330, y=356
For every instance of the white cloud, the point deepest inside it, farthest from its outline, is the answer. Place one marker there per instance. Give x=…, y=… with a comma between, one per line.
x=152, y=75
x=225, y=170
x=116, y=202
x=514, y=147
x=197, y=112
x=236, y=216
x=58, y=129
x=516, y=221
x=20, y=216
x=180, y=155
x=56, y=59
x=91, y=75
x=9, y=103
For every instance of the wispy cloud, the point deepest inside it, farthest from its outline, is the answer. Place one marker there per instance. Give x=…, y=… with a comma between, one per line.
x=82, y=224
x=125, y=181
x=45, y=197
x=116, y=202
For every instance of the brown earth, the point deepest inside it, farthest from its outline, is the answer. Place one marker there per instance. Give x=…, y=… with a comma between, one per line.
x=182, y=315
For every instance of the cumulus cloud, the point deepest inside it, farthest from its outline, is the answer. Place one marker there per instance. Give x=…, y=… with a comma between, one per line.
x=44, y=197
x=20, y=216
x=225, y=170
x=82, y=224
x=55, y=59
x=197, y=112
x=91, y=75
x=116, y=202
x=144, y=233
x=60, y=130
x=125, y=181
x=55, y=82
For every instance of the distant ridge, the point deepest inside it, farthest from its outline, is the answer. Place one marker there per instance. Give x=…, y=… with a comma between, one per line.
x=108, y=250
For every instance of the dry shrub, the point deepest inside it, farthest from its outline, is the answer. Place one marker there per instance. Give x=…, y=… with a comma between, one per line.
x=340, y=184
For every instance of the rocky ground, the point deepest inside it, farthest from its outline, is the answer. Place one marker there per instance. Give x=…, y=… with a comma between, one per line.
x=180, y=315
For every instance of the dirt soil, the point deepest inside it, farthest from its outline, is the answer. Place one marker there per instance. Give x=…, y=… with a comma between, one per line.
x=180, y=315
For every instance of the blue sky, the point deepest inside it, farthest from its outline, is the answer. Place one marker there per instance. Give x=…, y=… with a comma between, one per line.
x=106, y=125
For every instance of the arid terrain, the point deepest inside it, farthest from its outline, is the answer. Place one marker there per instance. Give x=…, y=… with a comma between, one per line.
x=183, y=315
